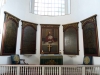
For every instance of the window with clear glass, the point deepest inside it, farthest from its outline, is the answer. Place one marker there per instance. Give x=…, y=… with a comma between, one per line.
x=50, y=7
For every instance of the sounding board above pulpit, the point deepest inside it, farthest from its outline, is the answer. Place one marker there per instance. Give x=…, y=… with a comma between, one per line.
x=51, y=60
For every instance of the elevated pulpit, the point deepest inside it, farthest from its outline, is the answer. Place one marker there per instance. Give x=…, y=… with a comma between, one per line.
x=56, y=59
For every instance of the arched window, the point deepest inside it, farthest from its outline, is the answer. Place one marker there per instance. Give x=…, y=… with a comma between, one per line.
x=50, y=7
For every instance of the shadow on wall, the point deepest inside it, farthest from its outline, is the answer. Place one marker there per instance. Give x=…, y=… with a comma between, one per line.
x=31, y=59
x=68, y=62
x=9, y=60
x=5, y=60
x=99, y=53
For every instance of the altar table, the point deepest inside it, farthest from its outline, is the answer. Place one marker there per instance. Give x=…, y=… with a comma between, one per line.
x=51, y=60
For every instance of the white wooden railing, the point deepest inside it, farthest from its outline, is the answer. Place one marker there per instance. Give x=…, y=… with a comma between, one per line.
x=49, y=69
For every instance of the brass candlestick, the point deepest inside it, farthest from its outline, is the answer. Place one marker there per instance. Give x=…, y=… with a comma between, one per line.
x=42, y=52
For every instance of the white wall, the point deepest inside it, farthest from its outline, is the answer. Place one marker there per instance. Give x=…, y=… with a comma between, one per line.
x=80, y=9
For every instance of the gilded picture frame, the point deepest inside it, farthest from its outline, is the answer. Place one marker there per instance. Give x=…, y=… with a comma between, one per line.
x=49, y=39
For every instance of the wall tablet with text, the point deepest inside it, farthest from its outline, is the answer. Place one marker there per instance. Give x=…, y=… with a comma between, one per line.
x=9, y=36
x=70, y=32
x=90, y=36
x=28, y=40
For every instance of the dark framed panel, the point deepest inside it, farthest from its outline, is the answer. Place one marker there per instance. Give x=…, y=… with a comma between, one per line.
x=28, y=40
x=49, y=39
x=90, y=36
x=9, y=36
x=71, y=45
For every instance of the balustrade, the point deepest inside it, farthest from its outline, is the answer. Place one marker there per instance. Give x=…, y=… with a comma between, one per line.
x=49, y=69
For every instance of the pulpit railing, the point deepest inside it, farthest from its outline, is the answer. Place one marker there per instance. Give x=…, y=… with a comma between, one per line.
x=49, y=69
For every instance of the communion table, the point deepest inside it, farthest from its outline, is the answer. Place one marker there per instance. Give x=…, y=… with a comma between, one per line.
x=51, y=59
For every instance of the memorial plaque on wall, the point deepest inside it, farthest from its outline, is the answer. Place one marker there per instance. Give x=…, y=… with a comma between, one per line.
x=9, y=36
x=49, y=39
x=28, y=41
x=70, y=32
x=90, y=36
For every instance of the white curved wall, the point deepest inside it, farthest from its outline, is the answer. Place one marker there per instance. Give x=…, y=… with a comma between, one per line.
x=80, y=9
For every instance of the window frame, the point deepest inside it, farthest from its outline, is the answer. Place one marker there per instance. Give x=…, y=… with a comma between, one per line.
x=44, y=13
